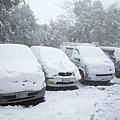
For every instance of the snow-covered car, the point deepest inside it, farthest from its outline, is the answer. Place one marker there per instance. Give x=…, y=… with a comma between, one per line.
x=91, y=61
x=21, y=75
x=59, y=70
x=113, y=54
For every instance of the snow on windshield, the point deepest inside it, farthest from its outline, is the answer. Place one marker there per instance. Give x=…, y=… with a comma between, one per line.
x=91, y=52
x=14, y=52
x=53, y=54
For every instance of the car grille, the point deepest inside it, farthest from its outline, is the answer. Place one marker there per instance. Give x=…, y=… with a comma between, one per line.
x=65, y=74
x=64, y=83
x=103, y=74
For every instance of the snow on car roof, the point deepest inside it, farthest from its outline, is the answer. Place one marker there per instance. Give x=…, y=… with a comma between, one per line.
x=91, y=52
x=50, y=53
x=15, y=52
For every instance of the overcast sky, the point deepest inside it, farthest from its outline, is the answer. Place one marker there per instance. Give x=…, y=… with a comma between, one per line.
x=44, y=10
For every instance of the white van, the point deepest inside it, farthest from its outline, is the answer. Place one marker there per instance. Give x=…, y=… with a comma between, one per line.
x=21, y=76
x=59, y=70
x=92, y=62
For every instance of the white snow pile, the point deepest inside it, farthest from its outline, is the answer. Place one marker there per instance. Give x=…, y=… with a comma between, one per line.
x=85, y=103
x=54, y=60
x=19, y=69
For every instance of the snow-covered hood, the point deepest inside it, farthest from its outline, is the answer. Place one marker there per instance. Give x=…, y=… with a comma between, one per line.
x=98, y=62
x=53, y=68
x=20, y=76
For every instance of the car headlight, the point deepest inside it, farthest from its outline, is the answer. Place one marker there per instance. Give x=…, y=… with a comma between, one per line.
x=50, y=82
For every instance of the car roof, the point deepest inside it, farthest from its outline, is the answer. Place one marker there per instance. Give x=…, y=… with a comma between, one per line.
x=107, y=48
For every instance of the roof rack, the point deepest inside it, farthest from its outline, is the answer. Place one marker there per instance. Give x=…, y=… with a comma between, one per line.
x=78, y=44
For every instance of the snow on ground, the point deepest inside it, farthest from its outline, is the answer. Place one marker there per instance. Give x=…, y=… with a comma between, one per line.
x=85, y=103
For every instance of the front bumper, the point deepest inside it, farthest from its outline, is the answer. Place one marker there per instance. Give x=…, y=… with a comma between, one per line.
x=62, y=82
x=23, y=96
x=99, y=77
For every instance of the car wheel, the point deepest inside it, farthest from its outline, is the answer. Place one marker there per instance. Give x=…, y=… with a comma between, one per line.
x=82, y=80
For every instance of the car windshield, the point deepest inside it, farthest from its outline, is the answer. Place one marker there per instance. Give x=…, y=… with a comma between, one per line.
x=53, y=55
x=91, y=52
x=12, y=52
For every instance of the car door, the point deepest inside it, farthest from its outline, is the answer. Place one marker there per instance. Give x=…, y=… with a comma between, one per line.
x=76, y=57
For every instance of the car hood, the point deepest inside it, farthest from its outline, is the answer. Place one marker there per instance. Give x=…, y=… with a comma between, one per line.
x=21, y=76
x=53, y=68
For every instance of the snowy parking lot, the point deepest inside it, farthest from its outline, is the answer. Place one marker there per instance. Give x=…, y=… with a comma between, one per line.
x=85, y=103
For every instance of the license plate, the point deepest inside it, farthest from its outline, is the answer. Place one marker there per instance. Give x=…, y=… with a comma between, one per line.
x=66, y=80
x=21, y=94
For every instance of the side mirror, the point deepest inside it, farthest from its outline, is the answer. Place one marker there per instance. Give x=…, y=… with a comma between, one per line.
x=113, y=58
x=77, y=57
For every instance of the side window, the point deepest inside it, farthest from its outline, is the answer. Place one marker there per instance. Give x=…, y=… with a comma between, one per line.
x=106, y=52
x=69, y=51
x=110, y=55
x=75, y=53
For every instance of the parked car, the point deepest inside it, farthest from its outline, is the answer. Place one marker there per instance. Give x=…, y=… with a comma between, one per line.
x=59, y=70
x=91, y=61
x=113, y=54
x=21, y=76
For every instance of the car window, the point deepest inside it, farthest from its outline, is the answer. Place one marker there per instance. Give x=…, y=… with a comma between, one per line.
x=69, y=51
x=110, y=54
x=75, y=52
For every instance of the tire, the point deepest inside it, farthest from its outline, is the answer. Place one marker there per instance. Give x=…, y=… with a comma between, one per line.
x=82, y=80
